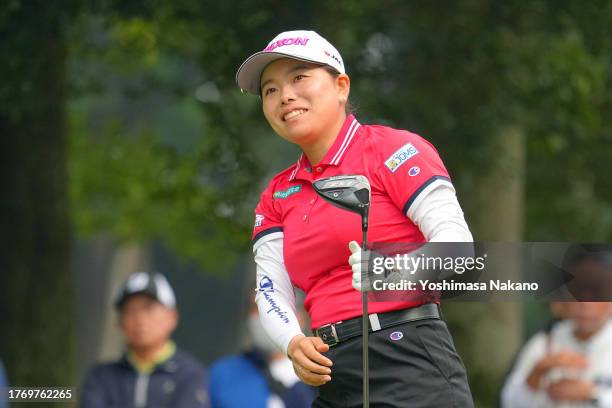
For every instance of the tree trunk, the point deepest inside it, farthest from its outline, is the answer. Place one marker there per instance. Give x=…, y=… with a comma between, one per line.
x=488, y=335
x=36, y=340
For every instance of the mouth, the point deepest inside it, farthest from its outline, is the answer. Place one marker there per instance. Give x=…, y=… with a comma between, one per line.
x=293, y=114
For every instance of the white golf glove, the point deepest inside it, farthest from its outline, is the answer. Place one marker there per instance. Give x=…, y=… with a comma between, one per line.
x=359, y=261
x=356, y=265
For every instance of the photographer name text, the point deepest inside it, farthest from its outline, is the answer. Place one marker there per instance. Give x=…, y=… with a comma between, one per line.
x=451, y=285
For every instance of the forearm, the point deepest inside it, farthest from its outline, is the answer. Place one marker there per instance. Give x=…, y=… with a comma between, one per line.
x=275, y=297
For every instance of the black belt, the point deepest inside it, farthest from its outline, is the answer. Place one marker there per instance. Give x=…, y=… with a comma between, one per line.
x=335, y=333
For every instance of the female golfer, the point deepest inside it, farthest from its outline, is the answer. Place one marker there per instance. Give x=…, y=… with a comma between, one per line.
x=302, y=241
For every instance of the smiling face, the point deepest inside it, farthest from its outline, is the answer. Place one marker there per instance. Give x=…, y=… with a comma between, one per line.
x=303, y=102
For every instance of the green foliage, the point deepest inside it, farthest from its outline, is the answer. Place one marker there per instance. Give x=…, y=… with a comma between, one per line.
x=162, y=74
x=154, y=153
x=457, y=73
x=163, y=145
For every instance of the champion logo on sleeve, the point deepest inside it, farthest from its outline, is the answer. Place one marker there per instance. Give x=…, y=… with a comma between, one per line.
x=414, y=171
x=266, y=285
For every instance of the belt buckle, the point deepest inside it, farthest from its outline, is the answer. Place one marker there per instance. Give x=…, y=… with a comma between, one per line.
x=329, y=337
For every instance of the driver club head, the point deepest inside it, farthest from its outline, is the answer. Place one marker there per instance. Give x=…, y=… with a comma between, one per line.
x=349, y=192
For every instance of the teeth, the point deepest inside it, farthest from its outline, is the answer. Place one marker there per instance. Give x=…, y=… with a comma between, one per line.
x=293, y=114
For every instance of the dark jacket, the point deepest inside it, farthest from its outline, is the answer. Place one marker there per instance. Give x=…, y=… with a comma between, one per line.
x=179, y=382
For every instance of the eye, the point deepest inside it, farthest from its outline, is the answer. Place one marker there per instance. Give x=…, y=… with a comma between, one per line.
x=299, y=77
x=269, y=91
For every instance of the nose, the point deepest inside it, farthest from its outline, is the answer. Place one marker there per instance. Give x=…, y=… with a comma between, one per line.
x=287, y=94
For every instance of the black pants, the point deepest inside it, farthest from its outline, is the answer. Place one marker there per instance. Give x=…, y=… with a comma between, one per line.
x=412, y=365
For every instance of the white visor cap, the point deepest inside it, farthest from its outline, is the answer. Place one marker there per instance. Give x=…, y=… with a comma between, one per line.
x=300, y=45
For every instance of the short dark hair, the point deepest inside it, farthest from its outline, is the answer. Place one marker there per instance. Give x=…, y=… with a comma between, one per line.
x=600, y=253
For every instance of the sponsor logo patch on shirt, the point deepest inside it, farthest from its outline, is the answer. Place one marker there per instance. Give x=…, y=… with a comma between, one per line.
x=401, y=156
x=286, y=193
x=258, y=220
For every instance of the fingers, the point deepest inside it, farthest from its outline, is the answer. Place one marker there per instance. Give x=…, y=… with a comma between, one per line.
x=355, y=260
x=314, y=361
x=310, y=378
x=315, y=353
x=311, y=347
x=309, y=364
x=356, y=282
x=354, y=247
x=323, y=348
x=568, y=359
x=570, y=390
x=356, y=285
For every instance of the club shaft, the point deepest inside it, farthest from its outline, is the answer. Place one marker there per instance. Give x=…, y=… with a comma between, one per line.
x=364, y=333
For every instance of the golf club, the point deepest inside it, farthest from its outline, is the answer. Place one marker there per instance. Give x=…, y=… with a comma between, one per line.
x=352, y=193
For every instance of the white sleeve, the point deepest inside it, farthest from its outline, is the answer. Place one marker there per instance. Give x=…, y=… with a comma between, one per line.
x=516, y=393
x=438, y=214
x=605, y=398
x=275, y=297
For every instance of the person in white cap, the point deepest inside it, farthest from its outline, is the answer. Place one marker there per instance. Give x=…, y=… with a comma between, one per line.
x=300, y=240
x=153, y=372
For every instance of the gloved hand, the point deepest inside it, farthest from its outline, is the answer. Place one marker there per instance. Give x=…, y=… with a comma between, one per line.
x=363, y=272
x=355, y=262
x=361, y=265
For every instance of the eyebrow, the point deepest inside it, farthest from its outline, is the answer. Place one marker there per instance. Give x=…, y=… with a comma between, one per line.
x=296, y=68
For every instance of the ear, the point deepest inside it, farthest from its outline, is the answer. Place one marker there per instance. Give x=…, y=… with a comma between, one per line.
x=343, y=84
x=175, y=318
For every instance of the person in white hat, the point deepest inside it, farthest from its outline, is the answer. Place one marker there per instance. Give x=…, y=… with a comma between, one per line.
x=299, y=240
x=153, y=372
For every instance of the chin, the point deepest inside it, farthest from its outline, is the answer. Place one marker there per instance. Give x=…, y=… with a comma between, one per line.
x=140, y=342
x=295, y=137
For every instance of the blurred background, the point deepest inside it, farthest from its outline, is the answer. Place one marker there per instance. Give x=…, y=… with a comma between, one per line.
x=126, y=146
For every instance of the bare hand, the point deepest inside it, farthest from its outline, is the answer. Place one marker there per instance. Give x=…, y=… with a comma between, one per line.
x=309, y=364
x=562, y=359
x=569, y=389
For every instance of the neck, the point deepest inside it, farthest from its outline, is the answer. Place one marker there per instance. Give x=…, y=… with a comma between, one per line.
x=148, y=353
x=316, y=151
x=584, y=335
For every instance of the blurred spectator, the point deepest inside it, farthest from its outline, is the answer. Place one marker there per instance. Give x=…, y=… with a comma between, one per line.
x=588, y=273
x=152, y=372
x=261, y=377
x=3, y=384
x=569, y=365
